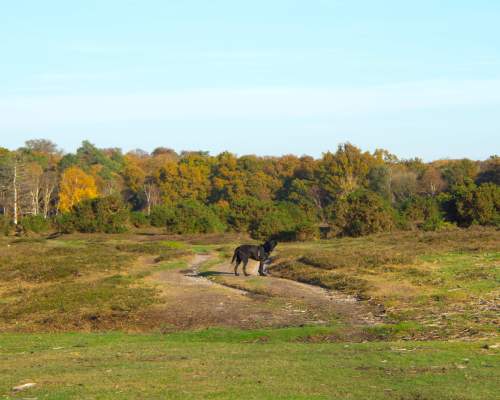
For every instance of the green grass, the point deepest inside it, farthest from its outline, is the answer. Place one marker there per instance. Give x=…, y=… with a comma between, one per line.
x=438, y=285
x=233, y=364
x=91, y=283
x=171, y=265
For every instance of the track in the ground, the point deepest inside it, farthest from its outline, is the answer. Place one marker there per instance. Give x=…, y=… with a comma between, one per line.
x=203, y=296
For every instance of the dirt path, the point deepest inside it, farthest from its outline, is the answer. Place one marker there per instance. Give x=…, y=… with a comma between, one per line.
x=211, y=295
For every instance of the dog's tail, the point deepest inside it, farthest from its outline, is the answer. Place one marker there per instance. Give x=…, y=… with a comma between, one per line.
x=235, y=256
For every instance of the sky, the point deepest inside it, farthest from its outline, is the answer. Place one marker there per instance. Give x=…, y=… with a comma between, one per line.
x=419, y=78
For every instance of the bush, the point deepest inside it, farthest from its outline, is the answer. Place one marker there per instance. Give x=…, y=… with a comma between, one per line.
x=5, y=225
x=423, y=212
x=191, y=216
x=162, y=215
x=139, y=219
x=34, y=223
x=102, y=214
x=471, y=204
x=65, y=223
x=284, y=222
x=361, y=213
x=243, y=213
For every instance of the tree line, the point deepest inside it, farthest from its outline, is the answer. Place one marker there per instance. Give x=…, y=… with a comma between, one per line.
x=346, y=192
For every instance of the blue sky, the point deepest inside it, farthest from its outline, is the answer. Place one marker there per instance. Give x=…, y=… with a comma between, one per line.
x=267, y=77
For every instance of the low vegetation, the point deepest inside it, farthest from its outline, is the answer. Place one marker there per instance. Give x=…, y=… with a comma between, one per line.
x=230, y=364
x=72, y=307
x=80, y=283
x=436, y=284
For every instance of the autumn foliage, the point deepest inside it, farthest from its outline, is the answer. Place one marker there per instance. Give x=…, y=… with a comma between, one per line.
x=344, y=192
x=76, y=186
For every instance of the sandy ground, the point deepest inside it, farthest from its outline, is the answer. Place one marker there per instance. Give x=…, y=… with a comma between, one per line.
x=202, y=296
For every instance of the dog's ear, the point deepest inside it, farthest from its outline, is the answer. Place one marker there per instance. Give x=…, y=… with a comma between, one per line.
x=270, y=245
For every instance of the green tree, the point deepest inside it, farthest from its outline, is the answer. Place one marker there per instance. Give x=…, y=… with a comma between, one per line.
x=345, y=171
x=361, y=213
x=471, y=204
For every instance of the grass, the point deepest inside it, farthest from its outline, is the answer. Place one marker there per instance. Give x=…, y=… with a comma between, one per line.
x=108, y=303
x=42, y=261
x=91, y=284
x=229, y=364
x=164, y=250
x=441, y=284
x=88, y=291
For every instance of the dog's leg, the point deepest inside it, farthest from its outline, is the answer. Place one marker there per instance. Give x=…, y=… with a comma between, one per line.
x=261, y=268
x=266, y=265
x=238, y=261
x=245, y=267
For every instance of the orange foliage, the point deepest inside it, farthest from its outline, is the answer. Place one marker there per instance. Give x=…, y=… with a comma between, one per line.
x=76, y=186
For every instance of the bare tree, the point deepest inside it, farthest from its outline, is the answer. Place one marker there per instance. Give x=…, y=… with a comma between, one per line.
x=152, y=193
x=48, y=185
x=20, y=184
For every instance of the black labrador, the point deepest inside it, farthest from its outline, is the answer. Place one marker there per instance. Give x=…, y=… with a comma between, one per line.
x=259, y=253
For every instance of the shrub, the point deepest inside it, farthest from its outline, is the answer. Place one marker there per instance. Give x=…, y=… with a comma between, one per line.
x=244, y=212
x=112, y=214
x=34, y=223
x=361, y=213
x=286, y=221
x=5, y=225
x=161, y=216
x=191, y=216
x=65, y=223
x=102, y=214
x=471, y=204
x=423, y=212
x=139, y=219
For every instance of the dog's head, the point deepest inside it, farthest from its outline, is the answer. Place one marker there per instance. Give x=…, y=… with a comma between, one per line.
x=270, y=245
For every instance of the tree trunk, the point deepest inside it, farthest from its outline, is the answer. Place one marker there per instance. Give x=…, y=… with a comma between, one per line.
x=14, y=187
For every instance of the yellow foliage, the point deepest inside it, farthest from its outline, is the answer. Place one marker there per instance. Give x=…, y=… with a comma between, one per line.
x=76, y=186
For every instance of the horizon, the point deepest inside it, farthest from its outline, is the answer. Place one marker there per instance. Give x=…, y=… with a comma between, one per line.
x=213, y=154
x=420, y=80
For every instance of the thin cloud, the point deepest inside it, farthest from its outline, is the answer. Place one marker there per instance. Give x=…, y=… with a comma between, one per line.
x=260, y=103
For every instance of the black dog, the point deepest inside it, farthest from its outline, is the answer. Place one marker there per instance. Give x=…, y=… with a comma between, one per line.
x=258, y=253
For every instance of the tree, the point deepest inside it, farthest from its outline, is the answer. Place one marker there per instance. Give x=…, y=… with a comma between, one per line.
x=49, y=183
x=379, y=181
x=189, y=178
x=18, y=182
x=308, y=195
x=141, y=179
x=33, y=182
x=490, y=171
x=42, y=146
x=345, y=171
x=431, y=181
x=403, y=184
x=76, y=186
x=228, y=183
x=460, y=172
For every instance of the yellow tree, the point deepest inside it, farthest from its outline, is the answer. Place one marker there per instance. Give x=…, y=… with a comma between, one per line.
x=76, y=186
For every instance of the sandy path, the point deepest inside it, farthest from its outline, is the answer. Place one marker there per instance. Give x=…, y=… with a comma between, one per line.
x=202, y=296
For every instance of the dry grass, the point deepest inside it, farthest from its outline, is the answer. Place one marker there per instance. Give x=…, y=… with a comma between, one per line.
x=84, y=283
x=444, y=284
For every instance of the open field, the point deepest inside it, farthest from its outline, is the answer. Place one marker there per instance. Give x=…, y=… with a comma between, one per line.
x=229, y=364
x=145, y=315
